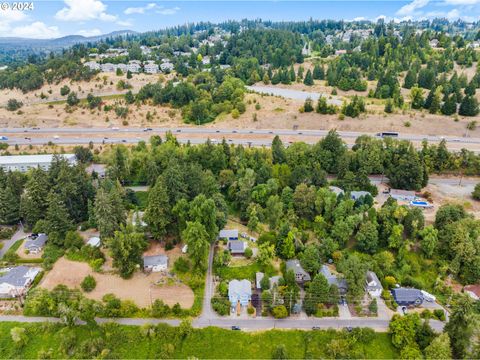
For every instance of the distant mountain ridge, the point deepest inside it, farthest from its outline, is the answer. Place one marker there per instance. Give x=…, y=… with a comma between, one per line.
x=51, y=44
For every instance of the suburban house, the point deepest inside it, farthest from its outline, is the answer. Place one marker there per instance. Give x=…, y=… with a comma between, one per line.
x=355, y=195
x=373, y=285
x=94, y=241
x=301, y=275
x=407, y=296
x=16, y=281
x=239, y=292
x=35, y=243
x=237, y=247
x=402, y=195
x=156, y=263
x=228, y=234
x=99, y=169
x=333, y=279
x=473, y=291
x=336, y=190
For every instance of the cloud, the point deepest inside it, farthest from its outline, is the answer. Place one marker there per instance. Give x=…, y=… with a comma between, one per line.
x=411, y=8
x=462, y=2
x=140, y=10
x=90, y=32
x=84, y=10
x=8, y=17
x=125, y=22
x=36, y=30
x=168, y=11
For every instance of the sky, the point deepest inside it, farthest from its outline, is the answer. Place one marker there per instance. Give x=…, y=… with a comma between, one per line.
x=56, y=18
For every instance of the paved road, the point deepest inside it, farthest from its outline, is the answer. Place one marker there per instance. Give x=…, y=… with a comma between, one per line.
x=7, y=244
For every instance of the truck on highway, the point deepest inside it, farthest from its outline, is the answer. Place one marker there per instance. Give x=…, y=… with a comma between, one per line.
x=387, y=134
x=3, y=138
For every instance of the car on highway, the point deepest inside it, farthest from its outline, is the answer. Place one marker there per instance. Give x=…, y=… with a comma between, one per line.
x=35, y=128
x=178, y=130
x=147, y=129
x=235, y=327
x=115, y=128
x=3, y=138
x=27, y=138
x=124, y=141
x=315, y=327
x=56, y=137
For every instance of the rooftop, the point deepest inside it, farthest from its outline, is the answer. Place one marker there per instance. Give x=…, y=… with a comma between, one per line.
x=155, y=260
x=239, y=287
x=406, y=294
x=33, y=159
x=227, y=234
x=19, y=275
x=36, y=241
x=236, y=246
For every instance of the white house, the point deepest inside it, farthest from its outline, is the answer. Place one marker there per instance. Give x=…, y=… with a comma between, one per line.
x=156, y=263
x=402, y=195
x=16, y=281
x=239, y=292
x=108, y=67
x=166, y=67
x=92, y=65
x=133, y=67
x=373, y=285
x=150, y=68
x=94, y=241
x=35, y=243
x=23, y=163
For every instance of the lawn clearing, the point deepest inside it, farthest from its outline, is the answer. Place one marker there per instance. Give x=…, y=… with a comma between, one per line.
x=140, y=289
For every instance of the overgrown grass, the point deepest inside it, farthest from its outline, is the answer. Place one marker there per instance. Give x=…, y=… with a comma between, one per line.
x=116, y=341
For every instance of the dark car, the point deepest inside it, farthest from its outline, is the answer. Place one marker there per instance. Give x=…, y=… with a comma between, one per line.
x=315, y=327
x=235, y=327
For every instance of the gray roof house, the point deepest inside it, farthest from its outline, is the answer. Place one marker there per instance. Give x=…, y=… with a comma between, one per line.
x=336, y=190
x=407, y=296
x=333, y=279
x=237, y=247
x=373, y=285
x=355, y=195
x=155, y=263
x=300, y=274
x=35, y=243
x=228, y=234
x=16, y=281
x=239, y=292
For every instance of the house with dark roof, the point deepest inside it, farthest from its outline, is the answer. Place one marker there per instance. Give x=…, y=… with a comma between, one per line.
x=408, y=296
x=372, y=285
x=237, y=247
x=402, y=195
x=334, y=279
x=155, y=263
x=301, y=275
x=16, y=281
x=35, y=243
x=228, y=234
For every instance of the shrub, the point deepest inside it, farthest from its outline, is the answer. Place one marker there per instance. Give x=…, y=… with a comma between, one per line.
x=248, y=253
x=181, y=265
x=235, y=114
x=390, y=281
x=89, y=283
x=14, y=104
x=250, y=310
x=160, y=309
x=279, y=312
x=439, y=314
x=64, y=90
x=221, y=305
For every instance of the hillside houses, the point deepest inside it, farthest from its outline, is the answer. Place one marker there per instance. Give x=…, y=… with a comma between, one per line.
x=134, y=66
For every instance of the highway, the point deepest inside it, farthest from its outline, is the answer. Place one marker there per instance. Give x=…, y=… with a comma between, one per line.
x=197, y=135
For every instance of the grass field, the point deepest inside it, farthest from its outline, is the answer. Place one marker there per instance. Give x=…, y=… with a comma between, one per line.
x=115, y=341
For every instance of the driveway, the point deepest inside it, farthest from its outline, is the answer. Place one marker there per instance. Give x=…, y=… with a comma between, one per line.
x=7, y=244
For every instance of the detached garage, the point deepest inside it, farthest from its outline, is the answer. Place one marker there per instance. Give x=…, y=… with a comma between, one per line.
x=156, y=263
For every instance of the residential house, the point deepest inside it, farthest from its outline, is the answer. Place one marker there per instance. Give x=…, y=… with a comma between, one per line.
x=373, y=285
x=434, y=43
x=23, y=163
x=155, y=263
x=228, y=234
x=355, y=195
x=108, y=67
x=15, y=281
x=340, y=52
x=236, y=247
x=35, y=243
x=301, y=275
x=99, y=169
x=150, y=67
x=473, y=291
x=239, y=292
x=334, y=279
x=133, y=67
x=92, y=65
x=166, y=67
x=94, y=241
x=336, y=190
x=402, y=195
x=407, y=296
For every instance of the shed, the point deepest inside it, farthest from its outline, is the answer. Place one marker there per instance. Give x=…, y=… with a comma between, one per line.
x=228, y=234
x=237, y=247
x=155, y=263
x=94, y=241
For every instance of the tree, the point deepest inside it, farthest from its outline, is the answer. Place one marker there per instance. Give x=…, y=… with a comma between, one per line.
x=317, y=293
x=367, y=237
x=416, y=97
x=93, y=101
x=448, y=214
x=13, y=105
x=64, y=90
x=109, y=211
x=403, y=330
x=318, y=72
x=439, y=348
x=310, y=259
x=129, y=97
x=308, y=78
x=273, y=211
x=354, y=271
x=88, y=283
x=266, y=253
x=429, y=239
x=288, y=248
x=157, y=212
x=196, y=237
x=9, y=206
x=279, y=312
x=476, y=192
x=126, y=247
x=308, y=105
x=278, y=150
x=449, y=107
x=410, y=79
x=469, y=106
x=389, y=106
x=57, y=218
x=72, y=99
x=280, y=353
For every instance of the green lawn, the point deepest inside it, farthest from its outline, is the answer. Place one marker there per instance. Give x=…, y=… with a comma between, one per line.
x=115, y=341
x=238, y=272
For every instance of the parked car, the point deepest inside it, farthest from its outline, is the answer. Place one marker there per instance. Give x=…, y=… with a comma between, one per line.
x=235, y=327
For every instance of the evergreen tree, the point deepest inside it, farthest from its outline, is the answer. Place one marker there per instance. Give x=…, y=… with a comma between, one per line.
x=308, y=78
x=9, y=206
x=57, y=219
x=469, y=106
x=33, y=203
x=410, y=79
x=157, y=213
x=318, y=72
x=449, y=107
x=416, y=97
x=126, y=247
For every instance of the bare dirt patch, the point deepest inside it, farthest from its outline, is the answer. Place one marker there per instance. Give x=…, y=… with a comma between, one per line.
x=142, y=289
